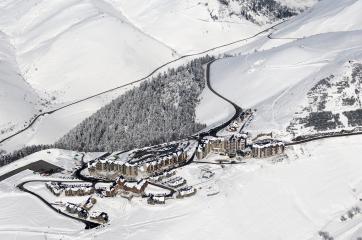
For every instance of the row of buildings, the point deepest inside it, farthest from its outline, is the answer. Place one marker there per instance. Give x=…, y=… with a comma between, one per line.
x=74, y=189
x=222, y=145
x=237, y=144
x=267, y=148
x=148, y=166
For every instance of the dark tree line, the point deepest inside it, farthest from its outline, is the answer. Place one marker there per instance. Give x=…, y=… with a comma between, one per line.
x=157, y=111
x=11, y=157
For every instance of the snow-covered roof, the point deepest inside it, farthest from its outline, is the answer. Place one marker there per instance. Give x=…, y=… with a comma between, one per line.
x=159, y=198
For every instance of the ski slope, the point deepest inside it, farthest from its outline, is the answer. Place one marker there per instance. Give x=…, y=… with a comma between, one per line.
x=63, y=51
x=191, y=23
x=77, y=48
x=70, y=50
x=275, y=79
x=18, y=100
x=326, y=16
x=305, y=193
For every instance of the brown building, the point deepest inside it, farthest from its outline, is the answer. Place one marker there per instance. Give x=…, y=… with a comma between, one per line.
x=267, y=148
x=222, y=145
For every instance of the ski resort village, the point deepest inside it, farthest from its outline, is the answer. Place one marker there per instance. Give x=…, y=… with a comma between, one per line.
x=181, y=119
x=153, y=175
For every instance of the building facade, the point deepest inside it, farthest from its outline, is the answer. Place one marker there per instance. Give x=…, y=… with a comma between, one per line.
x=222, y=145
x=134, y=169
x=267, y=148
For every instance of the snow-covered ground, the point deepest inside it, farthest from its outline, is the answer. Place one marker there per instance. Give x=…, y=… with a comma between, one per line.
x=213, y=110
x=293, y=199
x=196, y=29
x=313, y=185
x=276, y=79
x=189, y=21
x=326, y=16
x=24, y=216
x=67, y=160
x=67, y=51
x=17, y=98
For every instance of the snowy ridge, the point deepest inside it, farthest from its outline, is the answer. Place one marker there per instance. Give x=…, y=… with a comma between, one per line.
x=66, y=51
x=326, y=16
x=200, y=24
x=277, y=78
x=71, y=50
x=17, y=99
x=300, y=195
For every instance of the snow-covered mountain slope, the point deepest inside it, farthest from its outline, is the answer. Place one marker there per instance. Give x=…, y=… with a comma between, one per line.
x=326, y=16
x=17, y=98
x=69, y=50
x=198, y=25
x=276, y=79
x=72, y=49
x=334, y=103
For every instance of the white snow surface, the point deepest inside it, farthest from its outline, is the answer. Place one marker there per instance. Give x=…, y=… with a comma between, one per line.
x=293, y=199
x=24, y=216
x=17, y=99
x=307, y=192
x=276, y=78
x=289, y=200
x=196, y=29
x=326, y=16
x=69, y=50
x=66, y=51
x=58, y=157
x=77, y=48
x=189, y=22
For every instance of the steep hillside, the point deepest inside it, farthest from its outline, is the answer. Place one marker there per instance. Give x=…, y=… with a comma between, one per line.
x=157, y=111
x=69, y=50
x=77, y=48
x=326, y=16
x=199, y=25
x=17, y=98
x=334, y=103
x=276, y=81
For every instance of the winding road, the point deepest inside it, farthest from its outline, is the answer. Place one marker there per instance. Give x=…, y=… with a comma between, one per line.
x=88, y=224
x=238, y=109
x=212, y=131
x=37, y=117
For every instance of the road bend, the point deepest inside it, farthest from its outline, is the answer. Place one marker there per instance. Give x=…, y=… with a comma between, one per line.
x=37, y=117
